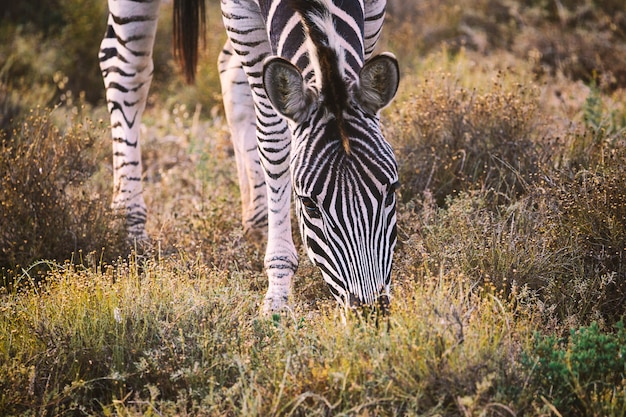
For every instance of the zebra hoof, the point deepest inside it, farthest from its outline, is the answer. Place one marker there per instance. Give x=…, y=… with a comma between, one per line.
x=275, y=304
x=140, y=244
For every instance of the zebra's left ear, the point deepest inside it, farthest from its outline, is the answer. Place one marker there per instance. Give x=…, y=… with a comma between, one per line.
x=378, y=82
x=286, y=89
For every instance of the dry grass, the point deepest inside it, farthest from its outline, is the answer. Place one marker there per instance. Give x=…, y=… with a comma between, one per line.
x=177, y=336
x=452, y=138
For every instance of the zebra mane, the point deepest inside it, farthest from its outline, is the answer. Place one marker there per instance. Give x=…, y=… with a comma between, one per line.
x=327, y=58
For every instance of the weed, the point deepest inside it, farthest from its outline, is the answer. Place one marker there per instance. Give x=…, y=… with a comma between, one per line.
x=601, y=135
x=589, y=211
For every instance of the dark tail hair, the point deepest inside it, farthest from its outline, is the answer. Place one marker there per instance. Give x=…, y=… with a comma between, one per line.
x=189, y=25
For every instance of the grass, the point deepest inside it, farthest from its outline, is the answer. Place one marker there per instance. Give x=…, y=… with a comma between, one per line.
x=175, y=334
x=508, y=288
x=451, y=137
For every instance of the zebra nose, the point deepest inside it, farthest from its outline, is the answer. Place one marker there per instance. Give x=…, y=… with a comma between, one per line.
x=354, y=301
x=381, y=305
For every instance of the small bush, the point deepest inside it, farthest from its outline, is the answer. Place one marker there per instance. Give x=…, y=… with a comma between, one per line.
x=581, y=39
x=61, y=41
x=21, y=86
x=506, y=250
x=62, y=38
x=582, y=375
x=601, y=137
x=561, y=244
x=50, y=205
x=450, y=139
x=589, y=213
x=478, y=25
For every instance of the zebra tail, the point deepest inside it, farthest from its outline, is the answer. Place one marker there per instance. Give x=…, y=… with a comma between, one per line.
x=189, y=17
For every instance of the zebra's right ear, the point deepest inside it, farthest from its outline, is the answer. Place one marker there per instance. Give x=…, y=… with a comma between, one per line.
x=286, y=89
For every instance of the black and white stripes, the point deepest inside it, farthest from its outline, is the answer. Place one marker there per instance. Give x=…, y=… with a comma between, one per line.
x=302, y=95
x=126, y=64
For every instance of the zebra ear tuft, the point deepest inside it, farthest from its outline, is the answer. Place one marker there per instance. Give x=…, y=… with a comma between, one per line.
x=378, y=82
x=286, y=89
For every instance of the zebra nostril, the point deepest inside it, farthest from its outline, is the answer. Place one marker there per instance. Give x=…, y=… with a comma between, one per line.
x=383, y=304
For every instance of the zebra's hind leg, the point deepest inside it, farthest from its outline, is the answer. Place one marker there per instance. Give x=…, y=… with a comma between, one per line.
x=126, y=64
x=239, y=108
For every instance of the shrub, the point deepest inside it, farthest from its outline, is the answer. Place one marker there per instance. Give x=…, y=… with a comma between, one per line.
x=62, y=38
x=506, y=250
x=562, y=245
x=582, y=39
x=559, y=249
x=477, y=25
x=21, y=87
x=590, y=214
x=451, y=139
x=601, y=136
x=582, y=375
x=586, y=199
x=51, y=207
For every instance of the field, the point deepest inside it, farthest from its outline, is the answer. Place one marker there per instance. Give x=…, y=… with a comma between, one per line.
x=509, y=284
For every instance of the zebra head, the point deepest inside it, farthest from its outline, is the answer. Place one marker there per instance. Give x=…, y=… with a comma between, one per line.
x=344, y=172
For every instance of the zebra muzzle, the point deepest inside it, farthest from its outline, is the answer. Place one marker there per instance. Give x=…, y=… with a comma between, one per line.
x=381, y=306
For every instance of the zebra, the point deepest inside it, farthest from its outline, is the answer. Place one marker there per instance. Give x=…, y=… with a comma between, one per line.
x=302, y=93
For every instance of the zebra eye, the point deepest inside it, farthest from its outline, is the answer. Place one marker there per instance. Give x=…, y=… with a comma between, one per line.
x=389, y=199
x=310, y=207
x=391, y=193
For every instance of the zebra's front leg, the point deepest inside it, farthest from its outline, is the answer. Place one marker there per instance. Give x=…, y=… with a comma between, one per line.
x=281, y=259
x=274, y=142
x=248, y=36
x=126, y=64
x=268, y=197
x=239, y=109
